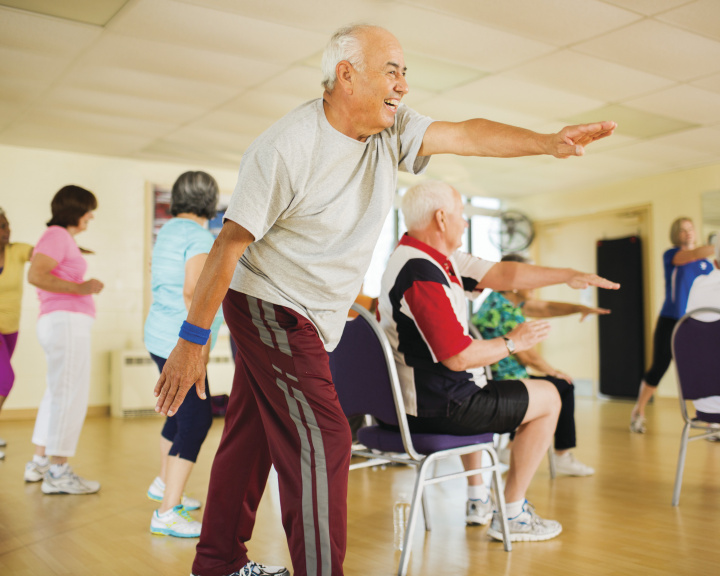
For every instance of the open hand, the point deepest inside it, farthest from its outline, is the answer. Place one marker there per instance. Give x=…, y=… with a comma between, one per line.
x=587, y=310
x=527, y=334
x=571, y=140
x=580, y=281
x=184, y=369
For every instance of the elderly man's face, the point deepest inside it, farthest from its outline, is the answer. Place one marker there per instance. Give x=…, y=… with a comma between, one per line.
x=381, y=85
x=455, y=223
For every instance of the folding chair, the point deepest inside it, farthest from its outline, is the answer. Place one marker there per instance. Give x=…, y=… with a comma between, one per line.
x=366, y=380
x=695, y=345
x=475, y=333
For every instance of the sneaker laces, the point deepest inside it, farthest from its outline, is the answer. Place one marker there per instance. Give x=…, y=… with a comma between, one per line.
x=184, y=514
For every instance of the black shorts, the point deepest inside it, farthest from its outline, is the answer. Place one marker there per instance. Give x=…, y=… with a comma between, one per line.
x=498, y=407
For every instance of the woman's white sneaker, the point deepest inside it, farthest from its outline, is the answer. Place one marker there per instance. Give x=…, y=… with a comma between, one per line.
x=525, y=527
x=571, y=466
x=175, y=522
x=67, y=482
x=35, y=472
x=157, y=491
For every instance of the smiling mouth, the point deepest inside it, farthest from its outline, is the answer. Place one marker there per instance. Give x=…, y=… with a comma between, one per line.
x=392, y=103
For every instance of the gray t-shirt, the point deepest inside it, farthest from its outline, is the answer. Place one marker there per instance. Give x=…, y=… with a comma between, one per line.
x=315, y=200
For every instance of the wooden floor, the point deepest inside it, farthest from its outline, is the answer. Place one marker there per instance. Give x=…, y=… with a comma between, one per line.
x=617, y=522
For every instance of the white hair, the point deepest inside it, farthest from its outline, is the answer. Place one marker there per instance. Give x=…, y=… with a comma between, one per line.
x=420, y=202
x=2, y=212
x=345, y=44
x=716, y=242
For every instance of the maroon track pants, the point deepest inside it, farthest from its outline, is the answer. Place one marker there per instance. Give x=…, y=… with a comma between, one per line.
x=283, y=411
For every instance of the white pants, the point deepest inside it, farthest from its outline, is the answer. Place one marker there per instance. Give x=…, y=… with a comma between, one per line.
x=65, y=338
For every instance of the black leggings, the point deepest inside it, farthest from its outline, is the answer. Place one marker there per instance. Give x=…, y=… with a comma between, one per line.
x=189, y=426
x=662, y=351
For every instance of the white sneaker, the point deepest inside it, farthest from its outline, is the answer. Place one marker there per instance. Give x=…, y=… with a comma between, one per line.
x=568, y=464
x=525, y=527
x=157, y=491
x=2, y=455
x=176, y=522
x=637, y=424
x=35, y=472
x=478, y=513
x=3, y=443
x=68, y=483
x=255, y=569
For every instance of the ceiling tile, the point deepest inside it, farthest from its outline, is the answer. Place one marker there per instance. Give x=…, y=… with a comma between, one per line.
x=144, y=55
x=711, y=83
x=149, y=86
x=563, y=22
x=701, y=17
x=632, y=122
x=659, y=49
x=705, y=140
x=648, y=7
x=44, y=35
x=589, y=76
x=435, y=75
x=668, y=156
x=97, y=12
x=263, y=103
x=524, y=97
x=300, y=81
x=457, y=40
x=685, y=102
x=233, y=123
x=446, y=108
x=186, y=24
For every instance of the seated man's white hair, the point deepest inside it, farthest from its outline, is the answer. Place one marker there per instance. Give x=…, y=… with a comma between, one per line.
x=345, y=44
x=420, y=202
x=717, y=248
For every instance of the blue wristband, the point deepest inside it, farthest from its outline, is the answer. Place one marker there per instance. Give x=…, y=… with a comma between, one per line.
x=194, y=334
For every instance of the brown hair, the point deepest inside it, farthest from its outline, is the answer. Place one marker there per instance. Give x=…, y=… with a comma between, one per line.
x=675, y=230
x=70, y=204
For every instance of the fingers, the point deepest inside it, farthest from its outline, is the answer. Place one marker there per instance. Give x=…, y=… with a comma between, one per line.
x=176, y=402
x=159, y=385
x=200, y=387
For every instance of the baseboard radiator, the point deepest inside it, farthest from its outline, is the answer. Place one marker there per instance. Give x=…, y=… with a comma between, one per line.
x=134, y=375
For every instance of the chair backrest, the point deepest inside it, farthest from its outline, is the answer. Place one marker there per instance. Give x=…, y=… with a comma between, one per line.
x=696, y=350
x=363, y=370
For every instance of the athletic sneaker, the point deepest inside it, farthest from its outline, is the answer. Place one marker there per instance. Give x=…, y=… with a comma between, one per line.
x=3, y=443
x=478, y=513
x=637, y=424
x=525, y=527
x=568, y=464
x=255, y=569
x=2, y=455
x=176, y=522
x=157, y=491
x=68, y=483
x=35, y=472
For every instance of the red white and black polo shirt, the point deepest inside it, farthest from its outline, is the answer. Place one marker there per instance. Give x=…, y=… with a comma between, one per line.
x=423, y=310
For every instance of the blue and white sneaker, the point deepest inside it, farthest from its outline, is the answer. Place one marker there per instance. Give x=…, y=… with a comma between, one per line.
x=255, y=569
x=157, y=491
x=478, y=513
x=525, y=527
x=176, y=522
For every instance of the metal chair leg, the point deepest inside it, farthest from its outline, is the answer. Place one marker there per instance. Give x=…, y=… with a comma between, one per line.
x=500, y=501
x=551, y=461
x=681, y=464
x=416, y=502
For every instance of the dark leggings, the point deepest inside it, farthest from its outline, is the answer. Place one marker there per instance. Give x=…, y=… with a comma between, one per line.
x=189, y=427
x=565, y=429
x=662, y=351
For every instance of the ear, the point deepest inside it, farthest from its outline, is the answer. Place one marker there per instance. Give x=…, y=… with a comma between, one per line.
x=345, y=74
x=439, y=219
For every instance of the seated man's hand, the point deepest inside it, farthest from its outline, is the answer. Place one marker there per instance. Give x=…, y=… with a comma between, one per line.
x=184, y=369
x=580, y=281
x=527, y=334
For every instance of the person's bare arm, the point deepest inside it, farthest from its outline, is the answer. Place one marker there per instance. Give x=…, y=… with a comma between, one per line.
x=686, y=256
x=532, y=359
x=479, y=137
x=550, y=309
x=193, y=269
x=185, y=366
x=40, y=275
x=505, y=276
x=485, y=352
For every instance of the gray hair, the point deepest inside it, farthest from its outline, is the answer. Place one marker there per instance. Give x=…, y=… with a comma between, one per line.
x=675, y=229
x=716, y=243
x=345, y=44
x=420, y=202
x=195, y=193
x=2, y=212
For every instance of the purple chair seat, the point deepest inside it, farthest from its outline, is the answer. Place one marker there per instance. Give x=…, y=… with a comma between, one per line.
x=378, y=438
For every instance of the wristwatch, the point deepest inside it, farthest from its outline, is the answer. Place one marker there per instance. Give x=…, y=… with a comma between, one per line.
x=510, y=345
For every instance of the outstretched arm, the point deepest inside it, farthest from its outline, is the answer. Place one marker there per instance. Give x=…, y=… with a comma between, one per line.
x=185, y=367
x=686, y=256
x=549, y=309
x=534, y=360
x=517, y=276
x=479, y=137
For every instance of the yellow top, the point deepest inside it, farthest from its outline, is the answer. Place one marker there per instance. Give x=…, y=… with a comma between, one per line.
x=11, y=286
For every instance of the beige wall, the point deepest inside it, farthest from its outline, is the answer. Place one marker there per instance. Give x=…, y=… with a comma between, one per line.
x=667, y=196
x=117, y=234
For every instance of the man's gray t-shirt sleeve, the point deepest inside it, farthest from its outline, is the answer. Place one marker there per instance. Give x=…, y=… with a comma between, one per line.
x=411, y=128
x=265, y=180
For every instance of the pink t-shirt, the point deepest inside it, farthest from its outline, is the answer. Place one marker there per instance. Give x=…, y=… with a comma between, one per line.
x=58, y=244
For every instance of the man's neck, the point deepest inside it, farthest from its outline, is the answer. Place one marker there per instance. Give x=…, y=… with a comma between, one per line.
x=339, y=117
x=432, y=239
